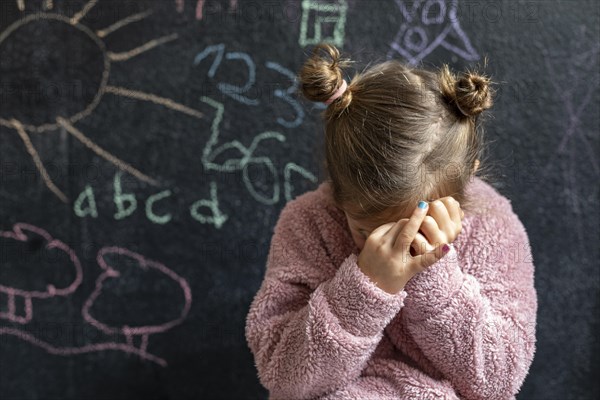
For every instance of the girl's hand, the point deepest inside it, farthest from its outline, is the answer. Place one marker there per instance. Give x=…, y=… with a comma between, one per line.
x=442, y=225
x=386, y=257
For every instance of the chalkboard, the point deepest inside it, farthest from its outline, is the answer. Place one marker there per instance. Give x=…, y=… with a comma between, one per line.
x=148, y=147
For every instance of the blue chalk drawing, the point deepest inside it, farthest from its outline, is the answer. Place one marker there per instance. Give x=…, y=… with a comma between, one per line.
x=233, y=91
x=219, y=49
x=286, y=95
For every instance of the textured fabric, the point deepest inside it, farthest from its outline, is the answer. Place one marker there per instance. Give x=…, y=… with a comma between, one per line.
x=462, y=329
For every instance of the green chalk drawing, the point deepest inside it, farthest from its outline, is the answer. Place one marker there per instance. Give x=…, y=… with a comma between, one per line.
x=86, y=194
x=244, y=160
x=321, y=12
x=287, y=176
x=207, y=157
x=209, y=154
x=248, y=160
x=217, y=218
x=121, y=199
x=157, y=219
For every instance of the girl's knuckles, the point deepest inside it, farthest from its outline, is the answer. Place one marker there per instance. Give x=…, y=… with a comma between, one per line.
x=428, y=220
x=404, y=237
x=436, y=204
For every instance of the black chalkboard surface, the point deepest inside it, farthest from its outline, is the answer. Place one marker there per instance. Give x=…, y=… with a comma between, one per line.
x=148, y=147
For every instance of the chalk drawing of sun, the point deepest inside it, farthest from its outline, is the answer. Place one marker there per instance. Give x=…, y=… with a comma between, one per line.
x=86, y=79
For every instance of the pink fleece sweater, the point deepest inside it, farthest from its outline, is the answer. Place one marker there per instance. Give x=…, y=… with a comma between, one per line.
x=462, y=329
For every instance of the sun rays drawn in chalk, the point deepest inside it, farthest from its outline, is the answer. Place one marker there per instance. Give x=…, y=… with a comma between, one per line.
x=131, y=338
x=65, y=112
x=427, y=25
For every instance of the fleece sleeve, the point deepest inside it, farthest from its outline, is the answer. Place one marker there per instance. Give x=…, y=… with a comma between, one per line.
x=309, y=342
x=478, y=326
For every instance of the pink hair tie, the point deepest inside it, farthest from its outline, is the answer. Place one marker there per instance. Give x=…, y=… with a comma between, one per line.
x=337, y=93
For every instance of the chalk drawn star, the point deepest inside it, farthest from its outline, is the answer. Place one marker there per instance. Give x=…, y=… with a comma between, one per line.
x=427, y=25
x=574, y=77
x=576, y=100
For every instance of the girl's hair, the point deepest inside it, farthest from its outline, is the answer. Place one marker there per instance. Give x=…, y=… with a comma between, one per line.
x=398, y=134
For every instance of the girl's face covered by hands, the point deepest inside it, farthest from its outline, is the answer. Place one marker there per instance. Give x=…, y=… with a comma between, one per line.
x=441, y=225
x=361, y=229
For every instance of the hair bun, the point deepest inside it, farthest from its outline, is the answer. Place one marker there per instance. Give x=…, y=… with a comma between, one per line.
x=470, y=92
x=322, y=75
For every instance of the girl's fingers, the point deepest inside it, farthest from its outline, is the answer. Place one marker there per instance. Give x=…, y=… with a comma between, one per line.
x=432, y=256
x=420, y=245
x=438, y=211
x=453, y=208
x=394, y=229
x=382, y=230
x=407, y=233
x=431, y=230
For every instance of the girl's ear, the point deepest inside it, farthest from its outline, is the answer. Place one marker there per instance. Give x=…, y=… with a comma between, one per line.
x=476, y=166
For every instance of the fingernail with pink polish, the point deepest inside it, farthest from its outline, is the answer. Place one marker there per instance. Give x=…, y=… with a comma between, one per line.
x=445, y=248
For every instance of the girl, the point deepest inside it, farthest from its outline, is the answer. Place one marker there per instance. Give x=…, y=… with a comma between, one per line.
x=367, y=295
